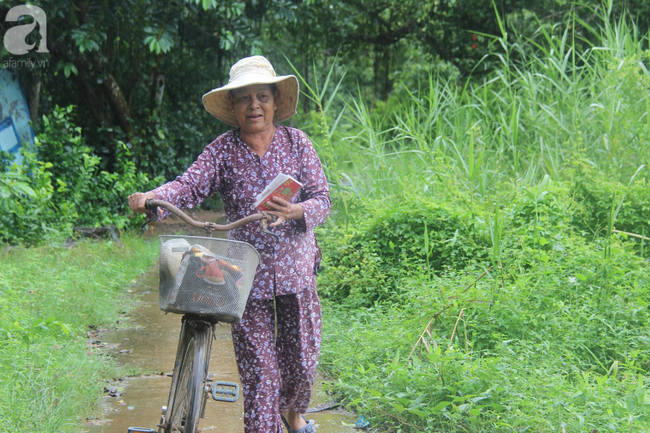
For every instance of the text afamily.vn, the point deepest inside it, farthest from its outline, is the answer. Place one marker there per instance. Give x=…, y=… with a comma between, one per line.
x=25, y=63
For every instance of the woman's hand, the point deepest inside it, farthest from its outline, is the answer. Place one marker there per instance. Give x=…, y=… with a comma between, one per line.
x=283, y=210
x=138, y=199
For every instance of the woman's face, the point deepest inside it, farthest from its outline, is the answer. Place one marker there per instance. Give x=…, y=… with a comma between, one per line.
x=254, y=107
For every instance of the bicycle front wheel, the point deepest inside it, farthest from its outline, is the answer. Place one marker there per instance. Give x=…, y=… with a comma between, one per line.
x=186, y=398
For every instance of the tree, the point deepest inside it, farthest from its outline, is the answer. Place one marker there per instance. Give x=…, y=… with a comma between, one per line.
x=114, y=59
x=383, y=35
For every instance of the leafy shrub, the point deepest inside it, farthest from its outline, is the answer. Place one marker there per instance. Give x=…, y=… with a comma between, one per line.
x=404, y=236
x=170, y=141
x=62, y=185
x=520, y=385
x=543, y=204
x=27, y=212
x=552, y=336
x=602, y=198
x=560, y=323
x=98, y=196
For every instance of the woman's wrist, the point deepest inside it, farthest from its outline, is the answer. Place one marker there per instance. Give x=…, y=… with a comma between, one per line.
x=297, y=212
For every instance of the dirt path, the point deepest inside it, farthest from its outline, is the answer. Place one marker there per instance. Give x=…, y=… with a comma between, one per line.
x=149, y=344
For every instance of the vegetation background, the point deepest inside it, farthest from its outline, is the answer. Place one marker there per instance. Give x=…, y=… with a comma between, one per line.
x=485, y=266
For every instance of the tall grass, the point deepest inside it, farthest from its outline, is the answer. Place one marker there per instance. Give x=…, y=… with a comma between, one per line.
x=476, y=283
x=576, y=91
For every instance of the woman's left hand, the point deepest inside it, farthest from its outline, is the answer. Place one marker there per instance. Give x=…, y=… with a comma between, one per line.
x=283, y=210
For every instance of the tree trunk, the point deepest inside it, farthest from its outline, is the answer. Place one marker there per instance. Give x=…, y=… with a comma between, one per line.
x=119, y=105
x=154, y=86
x=220, y=73
x=117, y=101
x=134, y=76
x=375, y=70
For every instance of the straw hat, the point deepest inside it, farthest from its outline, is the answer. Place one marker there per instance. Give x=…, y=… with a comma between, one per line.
x=247, y=71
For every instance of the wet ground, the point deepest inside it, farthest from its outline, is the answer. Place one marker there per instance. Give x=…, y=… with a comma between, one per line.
x=149, y=344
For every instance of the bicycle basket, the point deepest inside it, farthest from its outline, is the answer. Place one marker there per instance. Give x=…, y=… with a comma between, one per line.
x=206, y=276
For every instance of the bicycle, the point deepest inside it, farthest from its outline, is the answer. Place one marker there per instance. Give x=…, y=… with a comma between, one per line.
x=208, y=280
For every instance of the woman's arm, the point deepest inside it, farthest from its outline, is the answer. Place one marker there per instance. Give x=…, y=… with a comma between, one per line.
x=314, y=205
x=199, y=181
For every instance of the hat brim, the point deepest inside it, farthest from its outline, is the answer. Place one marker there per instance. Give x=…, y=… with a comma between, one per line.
x=217, y=101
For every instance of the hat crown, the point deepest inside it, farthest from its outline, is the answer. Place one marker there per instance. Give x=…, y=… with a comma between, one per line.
x=257, y=65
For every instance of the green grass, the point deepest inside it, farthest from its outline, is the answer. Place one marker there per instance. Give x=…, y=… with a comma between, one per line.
x=50, y=296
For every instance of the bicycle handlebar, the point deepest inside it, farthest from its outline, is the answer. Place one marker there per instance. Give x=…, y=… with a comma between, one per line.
x=209, y=227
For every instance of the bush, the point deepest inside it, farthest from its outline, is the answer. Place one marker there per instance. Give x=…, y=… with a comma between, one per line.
x=561, y=322
x=602, y=199
x=62, y=185
x=404, y=236
x=98, y=196
x=547, y=329
x=27, y=212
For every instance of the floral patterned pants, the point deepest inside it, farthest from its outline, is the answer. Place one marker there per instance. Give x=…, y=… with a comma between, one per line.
x=277, y=373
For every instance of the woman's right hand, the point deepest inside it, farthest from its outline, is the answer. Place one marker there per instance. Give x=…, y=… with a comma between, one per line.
x=137, y=200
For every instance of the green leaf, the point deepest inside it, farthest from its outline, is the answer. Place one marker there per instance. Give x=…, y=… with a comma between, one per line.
x=69, y=69
x=421, y=413
x=374, y=393
x=440, y=406
x=207, y=4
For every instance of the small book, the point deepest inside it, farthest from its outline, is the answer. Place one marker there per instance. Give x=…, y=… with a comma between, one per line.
x=283, y=186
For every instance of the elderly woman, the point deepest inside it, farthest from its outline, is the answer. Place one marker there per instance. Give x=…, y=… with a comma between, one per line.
x=276, y=371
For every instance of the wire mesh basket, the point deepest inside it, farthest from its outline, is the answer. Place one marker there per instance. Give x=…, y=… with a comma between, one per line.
x=206, y=276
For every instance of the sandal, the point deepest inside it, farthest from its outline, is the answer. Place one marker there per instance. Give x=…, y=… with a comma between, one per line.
x=309, y=428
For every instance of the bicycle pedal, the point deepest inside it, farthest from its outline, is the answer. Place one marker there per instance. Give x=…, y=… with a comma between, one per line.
x=225, y=391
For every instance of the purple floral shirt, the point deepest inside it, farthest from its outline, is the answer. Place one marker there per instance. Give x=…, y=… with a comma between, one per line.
x=229, y=167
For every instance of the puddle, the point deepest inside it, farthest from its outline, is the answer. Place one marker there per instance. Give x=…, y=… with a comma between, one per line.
x=149, y=345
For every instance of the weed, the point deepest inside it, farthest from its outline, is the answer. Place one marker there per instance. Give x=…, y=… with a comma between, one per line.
x=49, y=297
